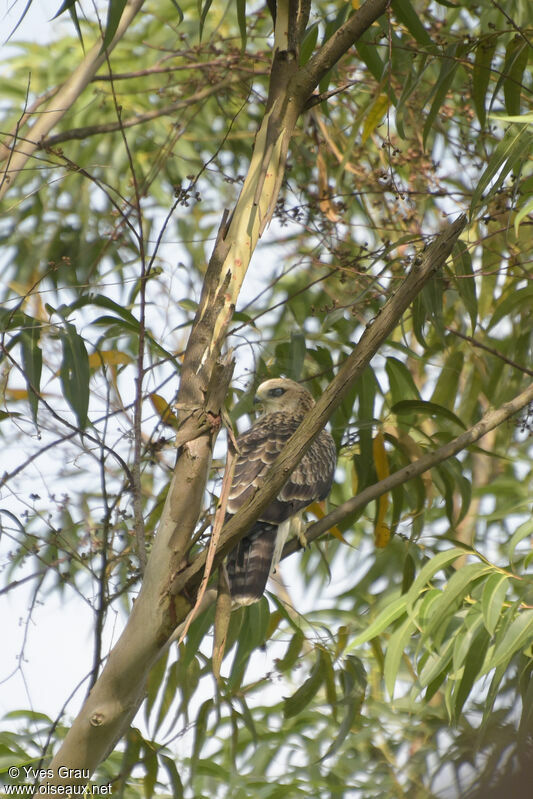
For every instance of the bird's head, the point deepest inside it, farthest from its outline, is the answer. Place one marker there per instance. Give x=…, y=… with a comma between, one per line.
x=282, y=394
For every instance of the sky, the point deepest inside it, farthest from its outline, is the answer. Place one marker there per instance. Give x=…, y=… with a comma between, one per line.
x=35, y=26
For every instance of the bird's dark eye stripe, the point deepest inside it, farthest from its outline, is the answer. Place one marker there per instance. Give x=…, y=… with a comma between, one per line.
x=276, y=392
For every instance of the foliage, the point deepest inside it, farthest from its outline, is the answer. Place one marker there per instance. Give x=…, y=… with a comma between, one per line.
x=381, y=669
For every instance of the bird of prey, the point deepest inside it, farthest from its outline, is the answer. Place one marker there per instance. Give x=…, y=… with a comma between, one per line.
x=284, y=404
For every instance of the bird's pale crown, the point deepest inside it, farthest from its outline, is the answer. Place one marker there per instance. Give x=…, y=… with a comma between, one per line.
x=282, y=394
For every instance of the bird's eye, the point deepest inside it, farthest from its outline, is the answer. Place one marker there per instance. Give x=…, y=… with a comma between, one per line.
x=276, y=392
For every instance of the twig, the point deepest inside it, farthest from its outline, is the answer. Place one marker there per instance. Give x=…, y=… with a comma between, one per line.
x=492, y=351
x=488, y=422
x=138, y=119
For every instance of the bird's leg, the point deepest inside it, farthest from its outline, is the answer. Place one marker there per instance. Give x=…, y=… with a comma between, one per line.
x=299, y=527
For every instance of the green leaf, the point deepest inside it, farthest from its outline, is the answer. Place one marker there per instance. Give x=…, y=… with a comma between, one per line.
x=189, y=305
x=515, y=143
x=241, y=19
x=521, y=215
x=516, y=56
x=354, y=682
x=393, y=611
x=411, y=83
x=450, y=63
x=32, y=362
x=428, y=571
x=153, y=684
x=308, y=43
x=252, y=635
x=151, y=767
x=395, y=651
x=200, y=729
x=170, y=767
x=75, y=373
x=432, y=298
x=427, y=408
x=459, y=584
x=470, y=626
x=66, y=5
x=114, y=13
x=297, y=350
x=481, y=75
x=247, y=718
x=492, y=599
x=452, y=472
x=401, y=382
x=518, y=636
x=293, y=651
x=205, y=8
x=437, y=665
x=367, y=52
x=408, y=574
x=446, y=388
x=523, y=531
x=513, y=302
x=293, y=705
x=179, y=10
x=465, y=281
x=70, y=6
x=405, y=13
x=472, y=667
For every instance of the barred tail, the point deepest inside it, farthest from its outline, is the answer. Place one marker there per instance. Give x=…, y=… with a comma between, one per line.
x=250, y=563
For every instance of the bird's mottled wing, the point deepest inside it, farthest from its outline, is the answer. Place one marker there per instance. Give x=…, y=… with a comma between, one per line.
x=258, y=449
x=253, y=559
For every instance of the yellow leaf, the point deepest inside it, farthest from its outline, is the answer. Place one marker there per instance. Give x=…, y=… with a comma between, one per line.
x=324, y=191
x=355, y=4
x=355, y=480
x=382, y=530
x=109, y=358
x=380, y=456
x=164, y=411
x=17, y=393
x=342, y=640
x=373, y=118
x=318, y=509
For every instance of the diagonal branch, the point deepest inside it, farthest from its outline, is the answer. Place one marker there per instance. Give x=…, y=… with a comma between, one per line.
x=487, y=423
x=339, y=43
x=373, y=337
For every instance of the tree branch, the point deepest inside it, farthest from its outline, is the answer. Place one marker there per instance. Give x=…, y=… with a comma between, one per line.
x=138, y=119
x=339, y=43
x=487, y=423
x=376, y=332
x=64, y=99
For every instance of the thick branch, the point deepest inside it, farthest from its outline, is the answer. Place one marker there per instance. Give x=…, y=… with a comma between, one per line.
x=487, y=423
x=339, y=43
x=373, y=337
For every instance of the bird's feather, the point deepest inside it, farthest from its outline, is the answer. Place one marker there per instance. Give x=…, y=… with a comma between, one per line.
x=256, y=555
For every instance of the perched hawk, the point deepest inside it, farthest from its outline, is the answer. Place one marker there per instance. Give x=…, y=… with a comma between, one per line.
x=285, y=404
